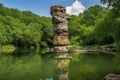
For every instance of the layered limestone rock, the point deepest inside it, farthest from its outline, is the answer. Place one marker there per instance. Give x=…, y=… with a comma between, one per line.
x=60, y=20
x=60, y=49
x=60, y=40
x=112, y=77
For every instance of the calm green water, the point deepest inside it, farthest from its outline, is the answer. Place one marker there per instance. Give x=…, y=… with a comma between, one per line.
x=33, y=66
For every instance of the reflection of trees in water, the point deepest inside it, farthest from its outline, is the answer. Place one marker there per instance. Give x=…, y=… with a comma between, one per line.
x=47, y=67
x=117, y=61
x=93, y=66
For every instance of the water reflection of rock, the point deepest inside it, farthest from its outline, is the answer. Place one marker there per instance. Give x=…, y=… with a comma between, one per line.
x=62, y=68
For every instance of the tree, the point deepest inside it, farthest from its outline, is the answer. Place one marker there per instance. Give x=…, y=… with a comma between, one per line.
x=91, y=15
x=115, y=4
x=112, y=19
x=81, y=28
x=24, y=28
x=3, y=38
x=104, y=29
x=74, y=29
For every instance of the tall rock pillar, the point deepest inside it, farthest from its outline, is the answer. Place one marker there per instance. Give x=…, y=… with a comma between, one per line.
x=60, y=20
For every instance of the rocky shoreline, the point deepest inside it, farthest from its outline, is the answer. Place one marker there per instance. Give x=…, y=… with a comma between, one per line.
x=111, y=77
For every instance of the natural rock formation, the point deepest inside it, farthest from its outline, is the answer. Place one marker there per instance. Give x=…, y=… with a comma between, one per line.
x=112, y=77
x=109, y=48
x=60, y=20
x=60, y=40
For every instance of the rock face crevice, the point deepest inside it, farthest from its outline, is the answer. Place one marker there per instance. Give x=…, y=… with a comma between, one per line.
x=60, y=20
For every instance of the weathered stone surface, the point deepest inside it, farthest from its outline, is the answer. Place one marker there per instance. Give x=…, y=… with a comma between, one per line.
x=60, y=20
x=60, y=26
x=61, y=40
x=109, y=48
x=59, y=15
x=112, y=77
x=62, y=33
x=60, y=49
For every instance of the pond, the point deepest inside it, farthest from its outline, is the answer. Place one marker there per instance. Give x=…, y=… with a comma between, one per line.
x=33, y=66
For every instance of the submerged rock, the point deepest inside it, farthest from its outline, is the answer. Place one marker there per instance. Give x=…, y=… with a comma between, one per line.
x=112, y=77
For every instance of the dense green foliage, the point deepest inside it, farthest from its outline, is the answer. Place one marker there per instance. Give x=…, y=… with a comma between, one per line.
x=115, y=4
x=24, y=29
x=82, y=27
x=95, y=26
x=112, y=19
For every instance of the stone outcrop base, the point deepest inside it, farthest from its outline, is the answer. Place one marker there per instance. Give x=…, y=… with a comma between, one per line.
x=60, y=49
x=112, y=77
x=60, y=40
